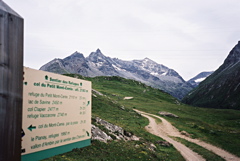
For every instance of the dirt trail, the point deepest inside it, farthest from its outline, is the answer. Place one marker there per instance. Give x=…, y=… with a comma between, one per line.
x=187, y=153
x=165, y=129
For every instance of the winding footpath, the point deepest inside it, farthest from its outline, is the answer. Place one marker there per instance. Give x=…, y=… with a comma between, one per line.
x=166, y=129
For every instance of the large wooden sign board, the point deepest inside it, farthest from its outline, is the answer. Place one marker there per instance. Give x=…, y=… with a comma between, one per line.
x=56, y=114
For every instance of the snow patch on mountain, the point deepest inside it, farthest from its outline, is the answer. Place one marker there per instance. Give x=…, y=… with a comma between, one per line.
x=164, y=73
x=199, y=78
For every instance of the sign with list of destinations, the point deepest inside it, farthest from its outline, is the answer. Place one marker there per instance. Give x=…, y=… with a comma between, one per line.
x=56, y=114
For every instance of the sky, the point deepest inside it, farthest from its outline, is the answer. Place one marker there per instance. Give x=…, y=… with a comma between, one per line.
x=189, y=36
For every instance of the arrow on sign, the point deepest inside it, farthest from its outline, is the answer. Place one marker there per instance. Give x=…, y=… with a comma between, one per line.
x=88, y=103
x=31, y=127
x=87, y=133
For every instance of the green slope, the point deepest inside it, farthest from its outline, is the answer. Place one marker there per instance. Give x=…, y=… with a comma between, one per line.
x=220, y=90
x=219, y=127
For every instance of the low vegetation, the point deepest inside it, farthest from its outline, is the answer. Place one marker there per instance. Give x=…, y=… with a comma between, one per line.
x=218, y=127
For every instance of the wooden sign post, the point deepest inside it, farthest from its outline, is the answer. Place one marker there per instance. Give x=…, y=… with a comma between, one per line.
x=11, y=83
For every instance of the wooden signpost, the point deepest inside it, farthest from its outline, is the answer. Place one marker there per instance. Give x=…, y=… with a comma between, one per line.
x=11, y=83
x=41, y=114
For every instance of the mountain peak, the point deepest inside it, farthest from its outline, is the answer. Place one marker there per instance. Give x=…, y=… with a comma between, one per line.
x=234, y=55
x=148, y=60
x=96, y=56
x=98, y=51
x=75, y=54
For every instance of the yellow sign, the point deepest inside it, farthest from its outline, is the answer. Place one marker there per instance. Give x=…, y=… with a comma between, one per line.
x=56, y=111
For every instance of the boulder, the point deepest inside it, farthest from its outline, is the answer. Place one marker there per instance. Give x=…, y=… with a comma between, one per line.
x=152, y=147
x=163, y=143
x=163, y=113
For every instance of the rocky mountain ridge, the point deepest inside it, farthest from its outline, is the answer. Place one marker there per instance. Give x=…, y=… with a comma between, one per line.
x=146, y=71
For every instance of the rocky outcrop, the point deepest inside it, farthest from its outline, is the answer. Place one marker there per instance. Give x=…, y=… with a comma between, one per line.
x=97, y=92
x=118, y=132
x=168, y=114
x=98, y=134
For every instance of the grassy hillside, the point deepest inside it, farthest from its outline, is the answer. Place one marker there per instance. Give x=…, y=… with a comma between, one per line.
x=220, y=90
x=219, y=127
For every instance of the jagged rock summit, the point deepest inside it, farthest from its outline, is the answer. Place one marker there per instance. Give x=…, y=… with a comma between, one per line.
x=146, y=71
x=221, y=89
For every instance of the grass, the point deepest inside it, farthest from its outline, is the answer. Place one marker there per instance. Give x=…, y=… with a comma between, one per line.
x=114, y=150
x=157, y=120
x=218, y=127
x=208, y=155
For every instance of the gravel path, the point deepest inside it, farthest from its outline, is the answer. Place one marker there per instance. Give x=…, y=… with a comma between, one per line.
x=165, y=129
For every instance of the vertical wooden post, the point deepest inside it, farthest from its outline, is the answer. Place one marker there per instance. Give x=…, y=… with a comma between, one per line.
x=11, y=83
